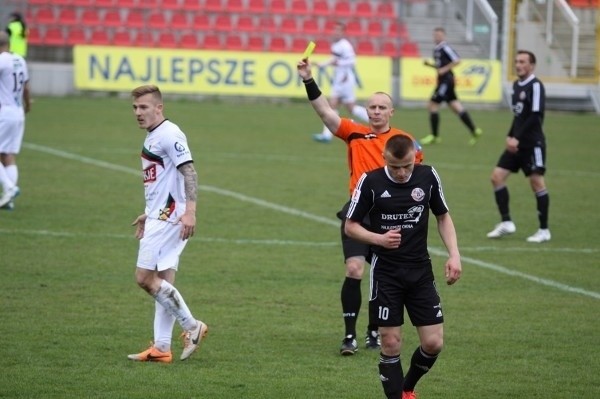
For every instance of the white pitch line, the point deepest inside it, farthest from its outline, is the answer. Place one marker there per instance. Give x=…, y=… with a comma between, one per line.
x=331, y=222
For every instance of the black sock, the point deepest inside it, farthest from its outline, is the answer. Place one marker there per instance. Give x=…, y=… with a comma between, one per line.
x=434, y=120
x=543, y=201
x=391, y=375
x=420, y=363
x=351, y=300
x=502, y=198
x=466, y=119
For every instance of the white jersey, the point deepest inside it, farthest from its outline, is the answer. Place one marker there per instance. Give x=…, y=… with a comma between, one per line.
x=165, y=148
x=13, y=76
x=345, y=57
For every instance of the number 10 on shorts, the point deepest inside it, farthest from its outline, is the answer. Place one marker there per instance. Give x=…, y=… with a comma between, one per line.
x=384, y=313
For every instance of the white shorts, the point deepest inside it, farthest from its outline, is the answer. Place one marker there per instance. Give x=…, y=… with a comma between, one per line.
x=12, y=128
x=344, y=92
x=161, y=246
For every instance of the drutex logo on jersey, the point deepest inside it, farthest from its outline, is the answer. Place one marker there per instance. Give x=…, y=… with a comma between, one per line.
x=150, y=174
x=407, y=219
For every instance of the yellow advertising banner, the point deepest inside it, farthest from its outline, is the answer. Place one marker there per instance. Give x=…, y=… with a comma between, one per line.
x=204, y=72
x=476, y=80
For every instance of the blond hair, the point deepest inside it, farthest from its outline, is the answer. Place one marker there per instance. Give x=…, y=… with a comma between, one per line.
x=147, y=89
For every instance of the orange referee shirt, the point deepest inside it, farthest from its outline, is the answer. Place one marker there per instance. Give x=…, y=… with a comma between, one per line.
x=365, y=148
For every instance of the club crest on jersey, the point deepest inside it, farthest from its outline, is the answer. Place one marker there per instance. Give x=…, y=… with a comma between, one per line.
x=417, y=194
x=150, y=174
x=522, y=95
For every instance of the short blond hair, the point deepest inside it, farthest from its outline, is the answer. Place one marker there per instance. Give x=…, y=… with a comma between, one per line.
x=147, y=89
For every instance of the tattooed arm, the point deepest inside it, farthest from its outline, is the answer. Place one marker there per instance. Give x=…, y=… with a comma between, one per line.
x=190, y=184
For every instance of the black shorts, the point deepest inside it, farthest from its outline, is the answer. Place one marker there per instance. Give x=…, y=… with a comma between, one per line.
x=350, y=246
x=444, y=91
x=529, y=160
x=393, y=289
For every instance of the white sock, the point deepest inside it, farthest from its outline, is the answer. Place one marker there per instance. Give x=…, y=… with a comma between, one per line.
x=5, y=181
x=360, y=112
x=326, y=132
x=163, y=328
x=13, y=173
x=173, y=302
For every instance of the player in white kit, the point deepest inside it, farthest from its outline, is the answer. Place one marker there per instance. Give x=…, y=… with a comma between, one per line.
x=344, y=80
x=14, y=103
x=168, y=221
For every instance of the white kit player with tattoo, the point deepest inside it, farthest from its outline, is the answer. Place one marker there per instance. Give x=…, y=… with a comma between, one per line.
x=169, y=220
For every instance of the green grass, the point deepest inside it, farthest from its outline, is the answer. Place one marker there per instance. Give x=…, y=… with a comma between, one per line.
x=265, y=268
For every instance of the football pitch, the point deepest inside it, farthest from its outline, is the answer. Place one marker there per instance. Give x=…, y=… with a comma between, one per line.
x=265, y=268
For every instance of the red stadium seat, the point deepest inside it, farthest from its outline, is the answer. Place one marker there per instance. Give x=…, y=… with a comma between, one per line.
x=189, y=40
x=299, y=45
x=80, y=3
x=343, y=9
x=364, y=9
x=144, y=39
x=300, y=7
x=127, y=4
x=390, y=48
x=256, y=6
x=409, y=49
x=279, y=7
x=234, y=42
x=201, y=22
x=39, y=2
x=68, y=16
x=365, y=47
x=256, y=43
x=148, y=4
x=386, y=10
x=180, y=21
x=104, y=3
x=135, y=19
x=213, y=5
x=44, y=16
x=321, y=8
x=34, y=36
x=100, y=38
x=112, y=18
x=191, y=5
x=354, y=29
x=223, y=23
x=236, y=6
x=157, y=20
x=245, y=23
x=75, y=36
x=173, y=5
x=374, y=28
x=211, y=41
x=166, y=39
x=289, y=25
x=330, y=26
x=54, y=37
x=278, y=44
x=267, y=24
x=397, y=29
x=310, y=27
x=122, y=38
x=91, y=18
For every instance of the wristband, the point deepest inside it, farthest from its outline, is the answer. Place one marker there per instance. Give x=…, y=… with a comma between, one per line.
x=312, y=90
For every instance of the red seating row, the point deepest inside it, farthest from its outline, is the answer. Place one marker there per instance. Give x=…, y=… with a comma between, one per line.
x=584, y=3
x=340, y=8
x=220, y=22
x=242, y=42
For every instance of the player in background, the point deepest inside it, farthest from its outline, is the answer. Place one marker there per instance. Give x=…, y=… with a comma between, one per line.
x=525, y=149
x=445, y=58
x=14, y=103
x=397, y=199
x=344, y=83
x=168, y=221
x=365, y=145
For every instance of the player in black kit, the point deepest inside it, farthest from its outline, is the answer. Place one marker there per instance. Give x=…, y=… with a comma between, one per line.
x=397, y=199
x=525, y=149
x=445, y=58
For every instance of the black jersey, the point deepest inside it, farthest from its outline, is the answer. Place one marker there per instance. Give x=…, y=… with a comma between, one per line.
x=403, y=206
x=443, y=55
x=528, y=103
